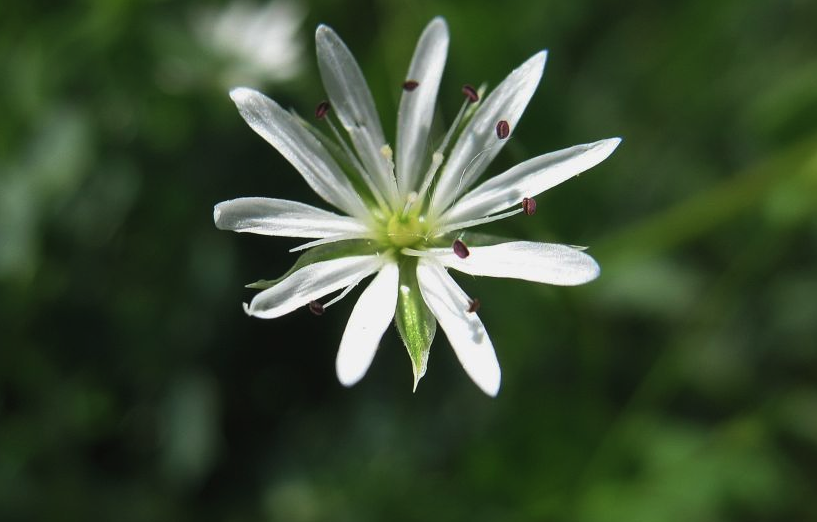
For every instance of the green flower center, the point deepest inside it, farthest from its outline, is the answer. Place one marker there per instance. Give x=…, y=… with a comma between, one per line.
x=406, y=231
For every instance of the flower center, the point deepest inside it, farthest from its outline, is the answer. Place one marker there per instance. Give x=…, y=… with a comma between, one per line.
x=406, y=231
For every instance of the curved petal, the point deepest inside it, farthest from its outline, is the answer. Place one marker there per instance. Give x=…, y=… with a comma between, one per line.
x=417, y=106
x=528, y=179
x=478, y=143
x=279, y=217
x=538, y=262
x=311, y=282
x=300, y=148
x=464, y=330
x=370, y=318
x=352, y=102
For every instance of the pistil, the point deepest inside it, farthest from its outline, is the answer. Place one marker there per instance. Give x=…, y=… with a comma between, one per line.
x=406, y=231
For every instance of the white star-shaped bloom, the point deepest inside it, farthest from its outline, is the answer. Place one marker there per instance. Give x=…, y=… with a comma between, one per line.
x=405, y=213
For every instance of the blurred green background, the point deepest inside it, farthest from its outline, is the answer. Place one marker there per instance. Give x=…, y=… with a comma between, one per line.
x=680, y=386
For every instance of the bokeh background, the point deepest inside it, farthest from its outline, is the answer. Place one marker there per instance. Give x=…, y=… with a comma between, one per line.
x=680, y=386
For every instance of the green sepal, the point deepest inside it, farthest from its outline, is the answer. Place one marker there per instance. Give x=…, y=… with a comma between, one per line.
x=415, y=322
x=349, y=247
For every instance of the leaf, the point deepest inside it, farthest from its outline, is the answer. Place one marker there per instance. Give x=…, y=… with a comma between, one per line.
x=351, y=247
x=415, y=322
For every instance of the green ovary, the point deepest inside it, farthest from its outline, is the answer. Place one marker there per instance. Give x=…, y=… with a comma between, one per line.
x=406, y=231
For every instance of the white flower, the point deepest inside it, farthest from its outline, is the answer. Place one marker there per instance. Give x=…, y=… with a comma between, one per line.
x=405, y=213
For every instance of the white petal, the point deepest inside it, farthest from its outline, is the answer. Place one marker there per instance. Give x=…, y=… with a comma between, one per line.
x=464, y=330
x=300, y=148
x=528, y=179
x=478, y=144
x=370, y=318
x=279, y=217
x=311, y=282
x=538, y=262
x=352, y=102
x=417, y=107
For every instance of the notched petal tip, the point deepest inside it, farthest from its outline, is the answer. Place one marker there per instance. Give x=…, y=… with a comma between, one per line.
x=217, y=214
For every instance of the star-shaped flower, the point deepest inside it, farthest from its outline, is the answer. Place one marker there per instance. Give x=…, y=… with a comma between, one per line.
x=405, y=214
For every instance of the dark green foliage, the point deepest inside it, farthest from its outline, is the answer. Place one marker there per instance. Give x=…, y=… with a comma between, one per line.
x=680, y=386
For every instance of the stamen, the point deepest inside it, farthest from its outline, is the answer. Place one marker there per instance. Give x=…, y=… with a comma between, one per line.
x=503, y=130
x=468, y=169
x=352, y=157
x=529, y=206
x=460, y=249
x=470, y=93
x=474, y=306
x=316, y=308
x=343, y=294
x=411, y=197
x=326, y=240
x=422, y=253
x=453, y=128
x=410, y=85
x=474, y=222
x=322, y=109
x=439, y=155
x=436, y=161
x=472, y=107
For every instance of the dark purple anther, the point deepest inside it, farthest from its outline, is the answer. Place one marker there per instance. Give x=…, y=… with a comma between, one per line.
x=322, y=109
x=470, y=93
x=474, y=306
x=410, y=85
x=460, y=249
x=529, y=206
x=316, y=308
x=503, y=130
